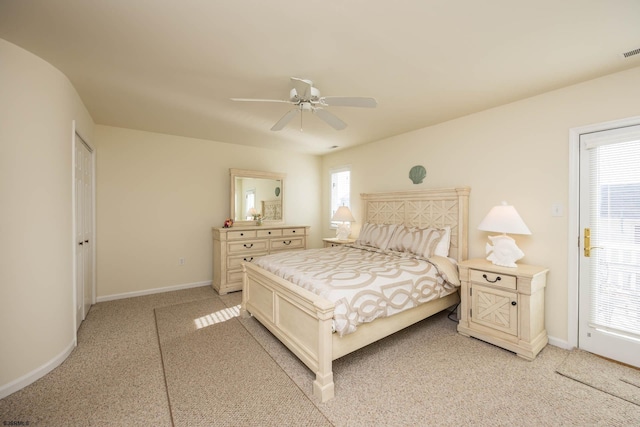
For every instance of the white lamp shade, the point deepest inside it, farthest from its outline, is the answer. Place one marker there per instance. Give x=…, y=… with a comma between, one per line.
x=504, y=219
x=343, y=214
x=252, y=212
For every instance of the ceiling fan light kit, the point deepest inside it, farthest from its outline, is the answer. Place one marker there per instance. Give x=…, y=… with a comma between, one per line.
x=310, y=100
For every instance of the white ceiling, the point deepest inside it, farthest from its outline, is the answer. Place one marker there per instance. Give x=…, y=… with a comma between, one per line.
x=170, y=66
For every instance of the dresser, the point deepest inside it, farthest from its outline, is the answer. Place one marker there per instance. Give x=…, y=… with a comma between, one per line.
x=233, y=246
x=503, y=306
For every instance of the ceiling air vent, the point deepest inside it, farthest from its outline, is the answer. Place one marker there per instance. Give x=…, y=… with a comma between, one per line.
x=631, y=53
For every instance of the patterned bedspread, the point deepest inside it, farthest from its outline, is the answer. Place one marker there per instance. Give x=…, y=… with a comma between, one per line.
x=364, y=283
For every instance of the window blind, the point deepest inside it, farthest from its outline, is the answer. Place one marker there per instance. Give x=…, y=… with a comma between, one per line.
x=340, y=190
x=614, y=190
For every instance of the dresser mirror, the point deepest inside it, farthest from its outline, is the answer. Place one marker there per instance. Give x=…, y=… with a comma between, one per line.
x=256, y=193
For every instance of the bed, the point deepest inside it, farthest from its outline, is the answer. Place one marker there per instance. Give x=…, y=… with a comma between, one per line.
x=306, y=322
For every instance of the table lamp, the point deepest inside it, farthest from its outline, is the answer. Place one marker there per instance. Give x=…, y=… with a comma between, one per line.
x=343, y=215
x=503, y=219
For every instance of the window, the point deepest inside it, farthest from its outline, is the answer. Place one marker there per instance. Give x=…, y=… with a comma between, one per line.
x=340, y=190
x=249, y=202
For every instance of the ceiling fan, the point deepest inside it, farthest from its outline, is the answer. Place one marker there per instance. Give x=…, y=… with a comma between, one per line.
x=305, y=97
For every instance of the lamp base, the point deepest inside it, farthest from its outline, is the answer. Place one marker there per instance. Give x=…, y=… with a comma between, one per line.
x=504, y=251
x=343, y=231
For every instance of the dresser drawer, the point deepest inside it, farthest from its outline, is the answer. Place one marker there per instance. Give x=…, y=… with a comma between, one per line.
x=248, y=246
x=293, y=232
x=498, y=280
x=244, y=234
x=236, y=261
x=269, y=233
x=287, y=243
x=234, y=276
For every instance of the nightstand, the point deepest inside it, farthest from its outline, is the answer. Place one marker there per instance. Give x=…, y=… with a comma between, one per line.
x=332, y=241
x=503, y=306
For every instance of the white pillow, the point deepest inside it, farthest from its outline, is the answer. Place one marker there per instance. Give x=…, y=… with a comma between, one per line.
x=375, y=235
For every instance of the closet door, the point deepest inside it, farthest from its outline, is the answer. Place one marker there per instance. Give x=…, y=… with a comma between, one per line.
x=83, y=229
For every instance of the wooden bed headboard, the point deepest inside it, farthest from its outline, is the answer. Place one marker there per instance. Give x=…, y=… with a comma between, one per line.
x=439, y=207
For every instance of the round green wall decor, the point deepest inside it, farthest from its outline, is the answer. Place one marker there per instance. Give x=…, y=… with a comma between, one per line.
x=417, y=174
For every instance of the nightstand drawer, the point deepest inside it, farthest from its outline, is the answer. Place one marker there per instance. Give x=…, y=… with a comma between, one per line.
x=499, y=280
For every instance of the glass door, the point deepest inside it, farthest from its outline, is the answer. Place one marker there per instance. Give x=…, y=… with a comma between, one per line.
x=609, y=281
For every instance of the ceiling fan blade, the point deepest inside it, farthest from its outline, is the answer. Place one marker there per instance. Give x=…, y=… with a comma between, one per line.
x=331, y=120
x=349, y=101
x=260, y=100
x=305, y=81
x=285, y=119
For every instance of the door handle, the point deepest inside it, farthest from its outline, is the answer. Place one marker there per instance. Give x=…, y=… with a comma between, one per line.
x=587, y=243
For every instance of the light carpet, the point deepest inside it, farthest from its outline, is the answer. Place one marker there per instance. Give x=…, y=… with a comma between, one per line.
x=428, y=374
x=218, y=374
x=612, y=378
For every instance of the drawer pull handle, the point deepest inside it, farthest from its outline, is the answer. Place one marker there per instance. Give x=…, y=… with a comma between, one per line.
x=294, y=231
x=513, y=303
x=491, y=281
x=288, y=242
x=242, y=234
x=248, y=259
x=269, y=232
x=248, y=246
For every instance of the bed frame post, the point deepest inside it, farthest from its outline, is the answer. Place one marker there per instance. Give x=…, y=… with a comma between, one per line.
x=244, y=314
x=463, y=221
x=323, y=387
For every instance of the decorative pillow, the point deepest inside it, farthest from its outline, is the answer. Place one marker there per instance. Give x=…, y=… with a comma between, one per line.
x=432, y=241
x=402, y=239
x=375, y=235
x=423, y=242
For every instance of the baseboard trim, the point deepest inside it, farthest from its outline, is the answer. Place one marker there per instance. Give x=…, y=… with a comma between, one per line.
x=560, y=343
x=37, y=373
x=153, y=291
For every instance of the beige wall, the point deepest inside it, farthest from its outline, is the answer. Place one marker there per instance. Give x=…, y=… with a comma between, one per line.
x=159, y=195
x=37, y=107
x=517, y=152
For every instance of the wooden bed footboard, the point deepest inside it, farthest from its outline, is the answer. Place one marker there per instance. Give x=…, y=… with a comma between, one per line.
x=300, y=319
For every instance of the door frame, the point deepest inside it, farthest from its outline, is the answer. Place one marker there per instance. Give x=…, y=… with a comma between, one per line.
x=92, y=151
x=574, y=235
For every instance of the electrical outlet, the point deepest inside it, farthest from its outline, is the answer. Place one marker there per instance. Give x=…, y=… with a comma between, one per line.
x=181, y=261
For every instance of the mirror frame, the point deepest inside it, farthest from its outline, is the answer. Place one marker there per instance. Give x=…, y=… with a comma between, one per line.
x=245, y=173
